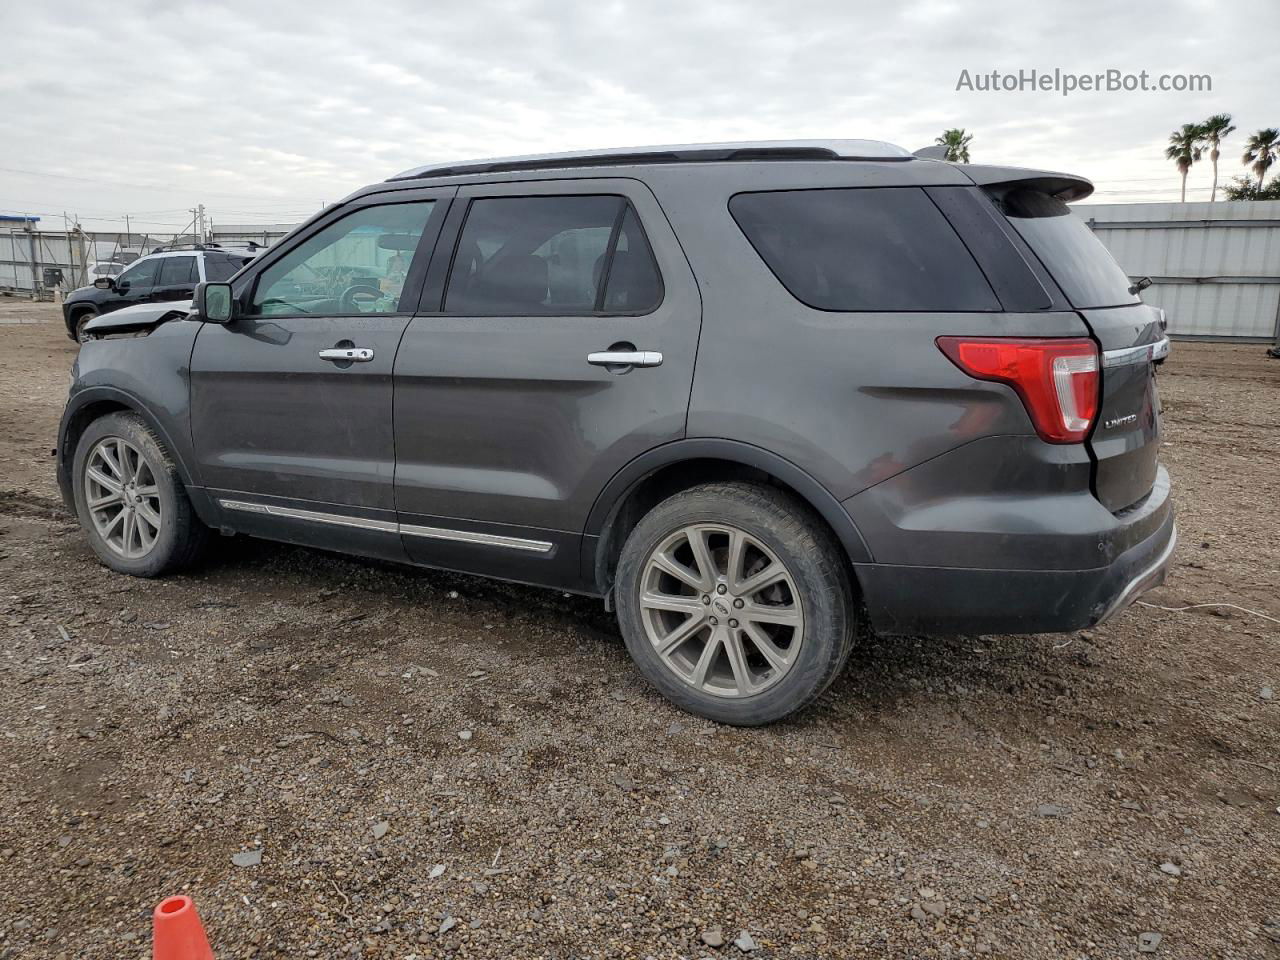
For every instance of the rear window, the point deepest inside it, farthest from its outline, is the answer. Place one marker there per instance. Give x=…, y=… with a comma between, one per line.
x=1077, y=260
x=881, y=249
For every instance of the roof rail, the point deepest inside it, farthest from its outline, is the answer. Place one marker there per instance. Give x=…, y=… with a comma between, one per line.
x=208, y=245
x=677, y=153
x=180, y=245
x=235, y=245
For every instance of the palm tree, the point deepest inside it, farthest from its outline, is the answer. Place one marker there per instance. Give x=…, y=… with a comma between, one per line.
x=1215, y=129
x=1261, y=151
x=957, y=143
x=1184, y=150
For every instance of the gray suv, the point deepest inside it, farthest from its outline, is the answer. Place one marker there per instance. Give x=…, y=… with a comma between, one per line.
x=755, y=396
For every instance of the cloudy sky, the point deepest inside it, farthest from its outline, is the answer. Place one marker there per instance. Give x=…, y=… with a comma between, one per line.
x=264, y=110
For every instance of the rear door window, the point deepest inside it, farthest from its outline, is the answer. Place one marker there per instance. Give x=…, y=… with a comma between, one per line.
x=868, y=249
x=1074, y=257
x=633, y=284
x=177, y=272
x=552, y=256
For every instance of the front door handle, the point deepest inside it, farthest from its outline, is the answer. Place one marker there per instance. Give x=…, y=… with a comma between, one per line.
x=348, y=354
x=625, y=358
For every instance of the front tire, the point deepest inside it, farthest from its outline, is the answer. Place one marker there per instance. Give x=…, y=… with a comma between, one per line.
x=131, y=501
x=80, y=322
x=735, y=602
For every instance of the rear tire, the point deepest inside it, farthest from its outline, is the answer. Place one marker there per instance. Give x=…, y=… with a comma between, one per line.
x=131, y=501
x=735, y=601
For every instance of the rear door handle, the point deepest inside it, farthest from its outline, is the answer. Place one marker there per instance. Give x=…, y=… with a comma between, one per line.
x=348, y=354
x=625, y=358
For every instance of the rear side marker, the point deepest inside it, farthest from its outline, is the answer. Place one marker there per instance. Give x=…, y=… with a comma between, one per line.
x=1056, y=378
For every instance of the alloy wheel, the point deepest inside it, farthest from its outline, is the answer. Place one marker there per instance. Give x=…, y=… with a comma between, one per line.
x=122, y=498
x=721, y=609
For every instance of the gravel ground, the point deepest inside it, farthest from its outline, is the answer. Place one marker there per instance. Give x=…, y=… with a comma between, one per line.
x=344, y=759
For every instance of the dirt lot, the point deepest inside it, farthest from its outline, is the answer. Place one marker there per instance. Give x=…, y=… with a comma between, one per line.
x=428, y=765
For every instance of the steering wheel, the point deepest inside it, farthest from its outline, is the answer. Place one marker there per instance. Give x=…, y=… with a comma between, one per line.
x=349, y=302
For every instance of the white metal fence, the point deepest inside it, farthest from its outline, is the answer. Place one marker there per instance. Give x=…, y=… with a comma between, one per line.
x=1215, y=267
x=262, y=234
x=25, y=254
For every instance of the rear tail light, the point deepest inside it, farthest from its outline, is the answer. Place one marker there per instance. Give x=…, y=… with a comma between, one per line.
x=1056, y=379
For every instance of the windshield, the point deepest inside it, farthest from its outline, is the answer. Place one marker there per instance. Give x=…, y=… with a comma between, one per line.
x=1077, y=260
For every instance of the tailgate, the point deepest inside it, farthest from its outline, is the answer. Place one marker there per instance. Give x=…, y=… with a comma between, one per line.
x=1126, y=437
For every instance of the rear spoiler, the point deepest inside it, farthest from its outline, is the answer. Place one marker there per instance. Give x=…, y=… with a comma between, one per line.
x=998, y=180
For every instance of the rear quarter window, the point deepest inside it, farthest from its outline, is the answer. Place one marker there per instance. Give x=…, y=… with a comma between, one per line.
x=863, y=249
x=223, y=267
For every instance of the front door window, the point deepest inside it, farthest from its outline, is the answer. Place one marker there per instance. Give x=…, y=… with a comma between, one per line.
x=356, y=265
x=140, y=277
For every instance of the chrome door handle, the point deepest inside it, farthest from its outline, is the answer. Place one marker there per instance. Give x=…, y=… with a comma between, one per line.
x=625, y=358
x=350, y=354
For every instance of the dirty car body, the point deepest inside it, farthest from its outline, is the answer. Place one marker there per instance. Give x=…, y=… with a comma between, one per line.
x=964, y=405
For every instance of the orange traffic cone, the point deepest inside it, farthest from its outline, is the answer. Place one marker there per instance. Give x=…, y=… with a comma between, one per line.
x=179, y=935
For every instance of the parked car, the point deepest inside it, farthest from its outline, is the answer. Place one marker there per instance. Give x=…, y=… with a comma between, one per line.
x=754, y=396
x=168, y=276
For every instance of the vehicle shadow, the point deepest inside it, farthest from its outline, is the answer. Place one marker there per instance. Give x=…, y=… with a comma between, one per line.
x=398, y=583
x=883, y=673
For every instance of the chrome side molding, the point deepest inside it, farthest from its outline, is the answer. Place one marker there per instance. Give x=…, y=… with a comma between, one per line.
x=468, y=536
x=314, y=516
x=389, y=526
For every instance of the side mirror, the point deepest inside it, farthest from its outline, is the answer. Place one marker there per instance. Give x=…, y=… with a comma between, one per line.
x=104, y=283
x=213, y=303
x=1139, y=285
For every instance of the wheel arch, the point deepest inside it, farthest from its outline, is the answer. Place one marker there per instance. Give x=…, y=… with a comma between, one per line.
x=92, y=404
x=665, y=470
x=77, y=310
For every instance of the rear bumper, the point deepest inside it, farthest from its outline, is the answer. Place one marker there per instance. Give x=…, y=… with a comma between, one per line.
x=949, y=600
x=1003, y=536
x=1147, y=578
